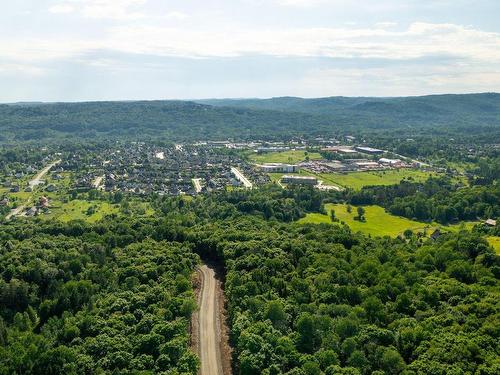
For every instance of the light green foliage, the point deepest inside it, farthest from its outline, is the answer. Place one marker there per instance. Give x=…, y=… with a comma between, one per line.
x=378, y=222
x=356, y=180
x=290, y=157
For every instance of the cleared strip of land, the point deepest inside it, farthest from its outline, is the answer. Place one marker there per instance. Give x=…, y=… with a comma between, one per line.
x=210, y=353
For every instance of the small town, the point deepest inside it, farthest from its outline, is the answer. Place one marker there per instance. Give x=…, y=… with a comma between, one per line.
x=141, y=168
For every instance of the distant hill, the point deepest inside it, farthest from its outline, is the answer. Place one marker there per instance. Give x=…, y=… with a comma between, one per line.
x=251, y=118
x=487, y=104
x=167, y=120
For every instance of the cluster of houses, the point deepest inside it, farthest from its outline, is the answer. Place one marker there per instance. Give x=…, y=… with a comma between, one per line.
x=143, y=168
x=41, y=207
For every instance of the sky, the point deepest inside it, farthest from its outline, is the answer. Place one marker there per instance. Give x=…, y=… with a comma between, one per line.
x=86, y=50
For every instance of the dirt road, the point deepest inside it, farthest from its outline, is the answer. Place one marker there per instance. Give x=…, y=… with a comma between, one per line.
x=210, y=353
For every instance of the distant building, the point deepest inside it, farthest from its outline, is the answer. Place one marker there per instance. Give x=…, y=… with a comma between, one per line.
x=43, y=202
x=491, y=223
x=367, y=164
x=299, y=180
x=271, y=149
x=278, y=168
x=436, y=234
x=369, y=150
x=391, y=162
x=340, y=149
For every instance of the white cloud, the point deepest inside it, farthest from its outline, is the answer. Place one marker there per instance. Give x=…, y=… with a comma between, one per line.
x=400, y=80
x=417, y=41
x=176, y=15
x=302, y=3
x=61, y=8
x=23, y=69
x=111, y=9
x=385, y=25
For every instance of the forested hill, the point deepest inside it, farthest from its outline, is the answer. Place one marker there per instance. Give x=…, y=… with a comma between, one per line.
x=485, y=105
x=464, y=112
x=169, y=120
x=249, y=119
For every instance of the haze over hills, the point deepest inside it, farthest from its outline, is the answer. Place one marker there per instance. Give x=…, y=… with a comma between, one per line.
x=415, y=105
x=250, y=118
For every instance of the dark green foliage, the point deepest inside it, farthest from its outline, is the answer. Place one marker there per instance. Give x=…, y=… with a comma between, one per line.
x=256, y=119
x=436, y=199
x=318, y=299
x=115, y=296
x=70, y=304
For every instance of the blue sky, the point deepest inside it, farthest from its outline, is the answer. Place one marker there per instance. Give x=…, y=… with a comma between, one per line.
x=73, y=50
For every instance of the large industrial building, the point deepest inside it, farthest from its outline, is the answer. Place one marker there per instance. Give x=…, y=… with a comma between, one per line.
x=299, y=180
x=369, y=150
x=278, y=168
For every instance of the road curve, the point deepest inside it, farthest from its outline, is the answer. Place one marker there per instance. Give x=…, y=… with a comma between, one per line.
x=210, y=354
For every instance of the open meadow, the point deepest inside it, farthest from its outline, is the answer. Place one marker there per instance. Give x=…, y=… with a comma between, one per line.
x=378, y=222
x=290, y=157
x=356, y=180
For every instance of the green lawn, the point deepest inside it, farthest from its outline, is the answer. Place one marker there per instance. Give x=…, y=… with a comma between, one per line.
x=378, y=222
x=494, y=241
x=77, y=209
x=291, y=157
x=356, y=180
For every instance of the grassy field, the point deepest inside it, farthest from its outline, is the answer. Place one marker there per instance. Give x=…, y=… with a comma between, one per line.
x=292, y=157
x=77, y=210
x=378, y=222
x=494, y=241
x=356, y=180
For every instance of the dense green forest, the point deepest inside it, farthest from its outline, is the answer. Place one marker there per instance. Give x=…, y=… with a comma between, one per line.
x=75, y=299
x=468, y=111
x=116, y=296
x=468, y=116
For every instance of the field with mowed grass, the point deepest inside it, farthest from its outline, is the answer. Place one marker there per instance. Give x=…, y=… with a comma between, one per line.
x=378, y=222
x=290, y=157
x=356, y=180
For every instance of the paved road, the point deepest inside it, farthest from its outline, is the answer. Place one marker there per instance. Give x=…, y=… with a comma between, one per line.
x=241, y=177
x=38, y=178
x=211, y=362
x=197, y=184
x=33, y=183
x=98, y=181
